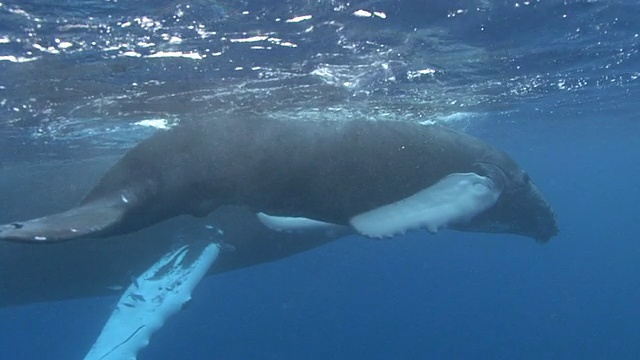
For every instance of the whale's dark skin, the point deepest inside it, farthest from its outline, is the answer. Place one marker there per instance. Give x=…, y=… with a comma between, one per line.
x=327, y=171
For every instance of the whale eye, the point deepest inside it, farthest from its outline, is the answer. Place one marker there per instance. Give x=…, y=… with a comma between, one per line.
x=17, y=225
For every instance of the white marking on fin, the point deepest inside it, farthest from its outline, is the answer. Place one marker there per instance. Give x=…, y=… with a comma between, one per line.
x=149, y=301
x=297, y=224
x=454, y=199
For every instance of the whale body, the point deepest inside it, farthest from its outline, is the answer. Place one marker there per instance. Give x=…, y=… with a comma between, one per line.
x=378, y=178
x=357, y=177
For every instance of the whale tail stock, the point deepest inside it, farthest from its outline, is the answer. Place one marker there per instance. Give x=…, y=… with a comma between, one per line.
x=90, y=219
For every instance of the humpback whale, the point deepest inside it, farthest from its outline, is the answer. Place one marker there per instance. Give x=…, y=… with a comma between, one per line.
x=377, y=178
x=274, y=188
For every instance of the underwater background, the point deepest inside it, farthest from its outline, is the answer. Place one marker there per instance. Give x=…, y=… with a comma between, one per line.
x=554, y=83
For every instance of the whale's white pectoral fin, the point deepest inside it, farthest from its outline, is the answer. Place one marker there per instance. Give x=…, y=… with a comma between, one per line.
x=454, y=199
x=300, y=224
x=150, y=300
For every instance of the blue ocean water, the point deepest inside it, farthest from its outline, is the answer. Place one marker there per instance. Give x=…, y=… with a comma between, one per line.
x=554, y=83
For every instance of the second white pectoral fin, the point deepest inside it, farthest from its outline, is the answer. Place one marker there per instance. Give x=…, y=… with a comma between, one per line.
x=299, y=224
x=151, y=299
x=454, y=199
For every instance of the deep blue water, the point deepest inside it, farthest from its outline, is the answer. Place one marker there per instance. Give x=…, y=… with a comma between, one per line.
x=554, y=83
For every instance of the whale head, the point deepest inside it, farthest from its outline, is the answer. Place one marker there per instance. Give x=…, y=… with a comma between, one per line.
x=521, y=208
